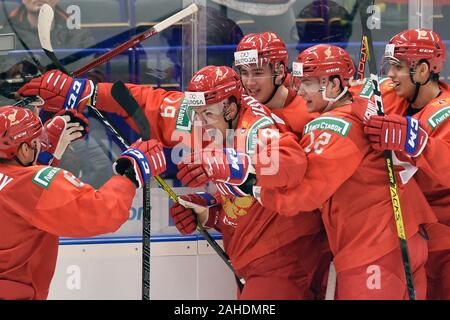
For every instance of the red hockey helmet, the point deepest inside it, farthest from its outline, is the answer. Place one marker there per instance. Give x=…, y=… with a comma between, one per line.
x=414, y=45
x=215, y=83
x=269, y=46
x=17, y=126
x=322, y=61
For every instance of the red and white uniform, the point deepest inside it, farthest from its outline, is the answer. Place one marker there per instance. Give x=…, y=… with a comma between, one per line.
x=253, y=235
x=433, y=177
x=296, y=116
x=348, y=181
x=57, y=204
x=162, y=108
x=258, y=240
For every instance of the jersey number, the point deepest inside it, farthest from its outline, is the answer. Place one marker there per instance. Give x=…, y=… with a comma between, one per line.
x=168, y=111
x=318, y=145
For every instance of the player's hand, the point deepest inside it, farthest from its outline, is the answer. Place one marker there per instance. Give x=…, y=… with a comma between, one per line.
x=396, y=133
x=59, y=91
x=64, y=128
x=192, y=208
x=217, y=165
x=141, y=161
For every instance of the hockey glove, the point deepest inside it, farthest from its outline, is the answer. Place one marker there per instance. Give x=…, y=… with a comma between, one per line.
x=192, y=208
x=396, y=133
x=141, y=161
x=64, y=128
x=216, y=165
x=59, y=91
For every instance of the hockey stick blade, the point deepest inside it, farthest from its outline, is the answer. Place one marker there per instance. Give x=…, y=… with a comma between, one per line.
x=122, y=95
x=124, y=98
x=45, y=20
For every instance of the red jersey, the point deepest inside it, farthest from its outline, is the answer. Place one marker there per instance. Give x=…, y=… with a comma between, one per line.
x=349, y=182
x=433, y=175
x=38, y=204
x=168, y=116
x=249, y=230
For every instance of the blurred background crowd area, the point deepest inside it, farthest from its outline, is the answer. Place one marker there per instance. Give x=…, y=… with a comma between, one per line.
x=85, y=29
x=159, y=60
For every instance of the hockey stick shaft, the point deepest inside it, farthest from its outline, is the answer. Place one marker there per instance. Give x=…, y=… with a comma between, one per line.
x=395, y=199
x=139, y=38
x=122, y=95
x=44, y=36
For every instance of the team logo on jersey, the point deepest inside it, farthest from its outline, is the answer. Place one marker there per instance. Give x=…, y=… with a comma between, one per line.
x=439, y=117
x=185, y=114
x=237, y=207
x=252, y=137
x=333, y=124
x=45, y=176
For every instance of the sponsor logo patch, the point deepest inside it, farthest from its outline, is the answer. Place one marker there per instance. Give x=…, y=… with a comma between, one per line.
x=184, y=116
x=439, y=117
x=367, y=90
x=252, y=137
x=246, y=57
x=333, y=124
x=45, y=176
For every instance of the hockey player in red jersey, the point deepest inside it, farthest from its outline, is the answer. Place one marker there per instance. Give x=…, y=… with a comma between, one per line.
x=171, y=120
x=417, y=127
x=347, y=179
x=262, y=62
x=259, y=241
x=39, y=203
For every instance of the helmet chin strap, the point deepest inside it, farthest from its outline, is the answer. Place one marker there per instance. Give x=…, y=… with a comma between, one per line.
x=417, y=84
x=275, y=88
x=274, y=91
x=331, y=101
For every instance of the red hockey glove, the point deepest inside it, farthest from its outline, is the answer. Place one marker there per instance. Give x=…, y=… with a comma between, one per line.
x=141, y=161
x=59, y=91
x=195, y=207
x=396, y=133
x=216, y=165
x=65, y=127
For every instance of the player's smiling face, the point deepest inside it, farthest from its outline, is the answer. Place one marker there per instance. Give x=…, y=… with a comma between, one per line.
x=401, y=81
x=309, y=89
x=212, y=119
x=258, y=81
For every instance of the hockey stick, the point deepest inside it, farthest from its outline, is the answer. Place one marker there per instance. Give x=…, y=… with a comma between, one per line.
x=44, y=35
x=47, y=19
x=122, y=96
x=398, y=216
